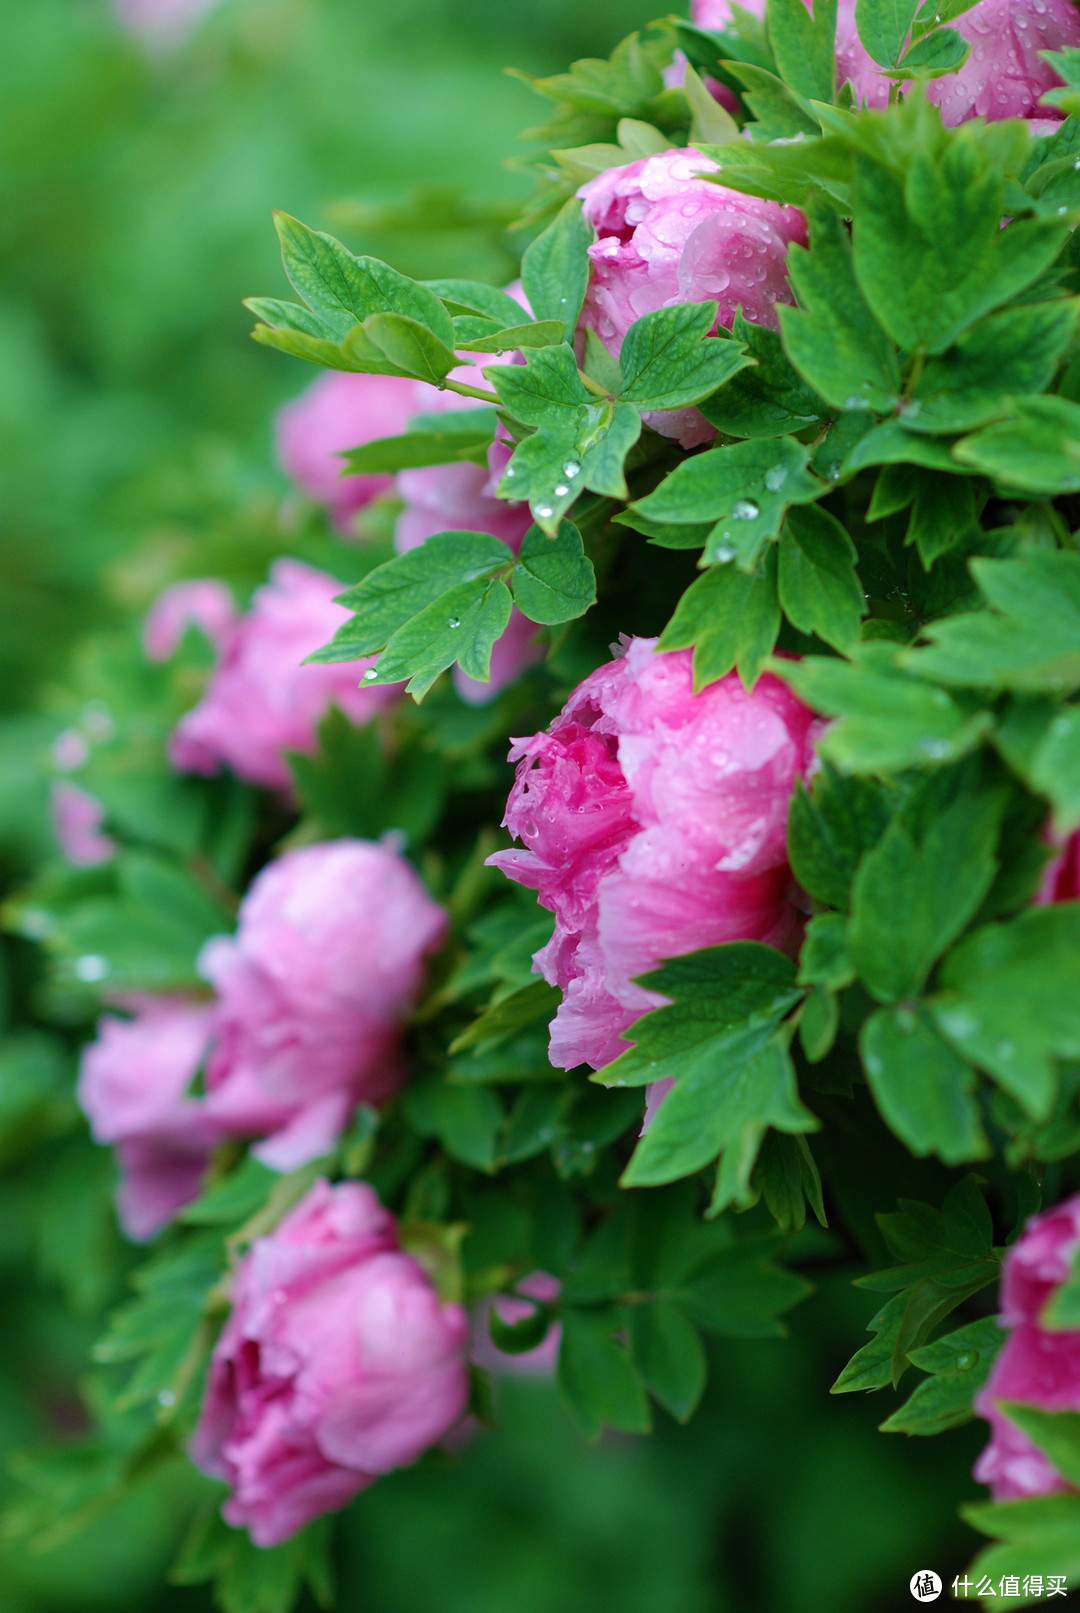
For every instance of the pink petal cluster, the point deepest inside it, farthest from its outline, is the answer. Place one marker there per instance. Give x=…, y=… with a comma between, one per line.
x=1061, y=878
x=665, y=236
x=338, y=1363
x=261, y=700
x=77, y=818
x=204, y=602
x=654, y=824
x=1037, y=1367
x=310, y=994
x=338, y=411
x=1004, y=75
x=328, y=954
x=133, y=1088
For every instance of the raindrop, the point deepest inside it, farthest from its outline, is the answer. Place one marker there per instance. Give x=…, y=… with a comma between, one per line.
x=510, y=471
x=572, y=468
x=775, y=478
x=453, y=621
x=965, y=1359
x=936, y=749
x=500, y=352
x=1063, y=209
x=744, y=509
x=562, y=490
x=834, y=471
x=92, y=967
x=371, y=674
x=166, y=1397
x=853, y=402
x=725, y=552
x=544, y=510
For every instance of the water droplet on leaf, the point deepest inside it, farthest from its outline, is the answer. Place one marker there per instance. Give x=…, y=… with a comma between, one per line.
x=371, y=674
x=562, y=490
x=744, y=509
x=453, y=621
x=775, y=478
x=91, y=968
x=544, y=510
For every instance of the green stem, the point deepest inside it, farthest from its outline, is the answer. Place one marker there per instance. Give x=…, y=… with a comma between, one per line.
x=469, y=391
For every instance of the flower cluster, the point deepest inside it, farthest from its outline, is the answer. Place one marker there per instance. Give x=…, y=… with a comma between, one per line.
x=305, y=1024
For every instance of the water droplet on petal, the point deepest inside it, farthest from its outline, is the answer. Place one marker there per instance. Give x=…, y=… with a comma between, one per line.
x=744, y=509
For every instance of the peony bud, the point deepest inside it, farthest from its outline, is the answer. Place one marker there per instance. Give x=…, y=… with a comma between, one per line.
x=261, y=700
x=654, y=823
x=133, y=1088
x=1037, y=1366
x=665, y=236
x=327, y=957
x=338, y=1363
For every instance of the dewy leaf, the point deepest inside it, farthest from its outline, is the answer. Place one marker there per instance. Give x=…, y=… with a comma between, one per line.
x=883, y=27
x=461, y=625
x=398, y=590
x=1007, y=1001
x=832, y=338
x=829, y=827
x=930, y=255
x=819, y=588
x=665, y=362
x=745, y=488
x=1029, y=640
x=346, y=289
x=959, y=1364
x=803, y=45
x=540, y=333
x=542, y=390
x=1036, y=450
x=1012, y=352
x=555, y=268
x=925, y=1093
x=731, y=619
x=553, y=580
x=937, y=886
x=768, y=400
x=937, y=53
x=887, y=721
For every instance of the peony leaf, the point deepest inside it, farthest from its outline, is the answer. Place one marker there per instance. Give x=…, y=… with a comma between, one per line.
x=555, y=268
x=925, y=1092
x=553, y=580
x=665, y=362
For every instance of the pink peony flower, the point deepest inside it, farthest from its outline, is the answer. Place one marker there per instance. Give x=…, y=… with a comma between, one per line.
x=1061, y=877
x=338, y=411
x=1004, y=75
x=666, y=236
x=654, y=823
x=338, y=1363
x=204, y=602
x=77, y=819
x=1036, y=1366
x=538, y=1362
x=261, y=701
x=328, y=954
x=133, y=1088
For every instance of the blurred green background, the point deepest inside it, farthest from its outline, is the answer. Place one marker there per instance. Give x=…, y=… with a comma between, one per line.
x=135, y=426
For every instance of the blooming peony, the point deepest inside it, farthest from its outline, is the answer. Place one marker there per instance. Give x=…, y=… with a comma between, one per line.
x=77, y=820
x=133, y=1087
x=654, y=824
x=1004, y=75
x=204, y=602
x=664, y=236
x=342, y=410
x=327, y=957
x=338, y=1363
x=261, y=701
x=1036, y=1366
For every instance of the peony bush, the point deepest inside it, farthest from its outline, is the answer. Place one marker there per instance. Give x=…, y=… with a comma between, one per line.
x=742, y=528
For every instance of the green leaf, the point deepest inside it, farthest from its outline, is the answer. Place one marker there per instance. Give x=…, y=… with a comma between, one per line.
x=768, y=400
x=788, y=1177
x=883, y=27
x=411, y=347
x=829, y=827
x=669, y=1358
x=472, y=296
x=731, y=619
x=1006, y=1004
x=516, y=338
x=542, y=390
x=397, y=591
x=256, y=1579
x=722, y=988
x=1055, y=768
x=745, y=488
x=595, y=1376
x=465, y=1119
x=600, y=365
x=354, y=784
x=345, y=289
x=555, y=268
x=959, y=1364
x=930, y=57
x=1056, y=1433
x=824, y=959
x=938, y=885
x=803, y=45
x=780, y=113
x=887, y=721
x=553, y=580
x=929, y=252
x=461, y=625
x=890, y=444
x=925, y=1093
x=467, y=439
x=1029, y=640
x=1036, y=450
x=943, y=514
x=819, y=588
x=666, y=363
x=1013, y=352
x=832, y=338
x=1038, y=1537
x=736, y=1291
x=508, y=1014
